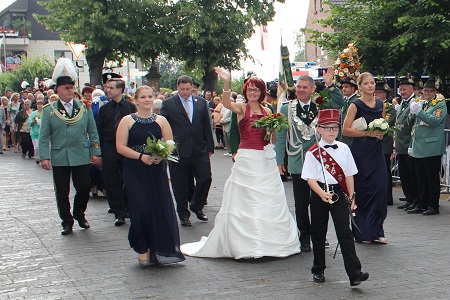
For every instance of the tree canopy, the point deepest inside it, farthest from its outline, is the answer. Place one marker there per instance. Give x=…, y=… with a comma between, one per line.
x=203, y=33
x=392, y=36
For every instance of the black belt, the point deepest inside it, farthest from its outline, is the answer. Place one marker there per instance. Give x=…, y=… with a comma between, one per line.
x=322, y=185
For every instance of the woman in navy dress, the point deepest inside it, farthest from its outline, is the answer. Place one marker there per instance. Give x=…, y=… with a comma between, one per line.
x=371, y=181
x=154, y=231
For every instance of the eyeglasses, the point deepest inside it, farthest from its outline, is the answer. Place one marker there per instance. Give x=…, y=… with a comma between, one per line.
x=253, y=90
x=427, y=91
x=331, y=128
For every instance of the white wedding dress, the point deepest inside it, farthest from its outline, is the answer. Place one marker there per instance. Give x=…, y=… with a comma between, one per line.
x=254, y=220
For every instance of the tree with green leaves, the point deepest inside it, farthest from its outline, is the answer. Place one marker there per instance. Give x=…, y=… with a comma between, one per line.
x=209, y=33
x=202, y=33
x=29, y=69
x=112, y=30
x=392, y=36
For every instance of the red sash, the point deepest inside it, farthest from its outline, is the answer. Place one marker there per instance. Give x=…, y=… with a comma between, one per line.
x=331, y=166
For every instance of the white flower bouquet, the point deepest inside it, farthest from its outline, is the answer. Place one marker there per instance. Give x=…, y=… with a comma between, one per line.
x=160, y=148
x=379, y=124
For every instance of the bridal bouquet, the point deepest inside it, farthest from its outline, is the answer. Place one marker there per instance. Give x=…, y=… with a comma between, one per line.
x=379, y=124
x=160, y=148
x=271, y=122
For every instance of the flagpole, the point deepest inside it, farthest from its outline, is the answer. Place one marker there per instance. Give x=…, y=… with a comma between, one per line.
x=4, y=49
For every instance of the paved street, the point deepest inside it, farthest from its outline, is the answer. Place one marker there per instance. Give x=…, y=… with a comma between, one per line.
x=36, y=262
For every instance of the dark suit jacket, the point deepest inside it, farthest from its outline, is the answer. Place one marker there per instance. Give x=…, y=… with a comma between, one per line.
x=192, y=139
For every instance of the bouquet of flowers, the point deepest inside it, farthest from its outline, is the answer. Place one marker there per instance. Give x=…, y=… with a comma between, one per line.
x=379, y=124
x=347, y=63
x=271, y=122
x=322, y=99
x=160, y=148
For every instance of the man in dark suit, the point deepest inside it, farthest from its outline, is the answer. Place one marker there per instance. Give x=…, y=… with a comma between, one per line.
x=108, y=118
x=189, y=118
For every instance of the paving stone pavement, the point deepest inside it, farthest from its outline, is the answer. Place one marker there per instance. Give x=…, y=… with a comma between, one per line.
x=36, y=262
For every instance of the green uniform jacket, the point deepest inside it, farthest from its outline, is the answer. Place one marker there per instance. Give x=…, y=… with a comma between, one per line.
x=388, y=139
x=295, y=162
x=428, y=138
x=68, y=145
x=403, y=126
x=235, y=138
x=346, y=139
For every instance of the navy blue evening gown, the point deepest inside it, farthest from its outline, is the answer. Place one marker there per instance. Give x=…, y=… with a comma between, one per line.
x=153, y=221
x=371, y=181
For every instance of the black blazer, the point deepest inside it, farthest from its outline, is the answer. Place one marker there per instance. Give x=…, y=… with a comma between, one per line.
x=192, y=139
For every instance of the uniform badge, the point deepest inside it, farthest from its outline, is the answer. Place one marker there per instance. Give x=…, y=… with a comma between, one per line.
x=438, y=113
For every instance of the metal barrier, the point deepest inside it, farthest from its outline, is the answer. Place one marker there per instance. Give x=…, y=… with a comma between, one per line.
x=445, y=167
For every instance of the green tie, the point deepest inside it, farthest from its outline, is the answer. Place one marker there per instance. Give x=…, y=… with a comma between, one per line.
x=306, y=107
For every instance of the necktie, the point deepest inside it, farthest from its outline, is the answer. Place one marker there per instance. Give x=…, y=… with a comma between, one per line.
x=405, y=104
x=334, y=146
x=68, y=107
x=305, y=107
x=187, y=108
x=117, y=115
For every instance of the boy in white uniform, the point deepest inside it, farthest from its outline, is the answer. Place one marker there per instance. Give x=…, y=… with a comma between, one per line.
x=339, y=170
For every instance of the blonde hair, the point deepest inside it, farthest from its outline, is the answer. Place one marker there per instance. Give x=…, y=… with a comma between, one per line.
x=363, y=76
x=54, y=97
x=15, y=95
x=141, y=88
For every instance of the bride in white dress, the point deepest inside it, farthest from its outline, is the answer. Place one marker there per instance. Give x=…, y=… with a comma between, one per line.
x=254, y=220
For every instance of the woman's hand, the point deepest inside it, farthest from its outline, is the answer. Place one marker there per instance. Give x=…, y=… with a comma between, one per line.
x=376, y=134
x=150, y=160
x=222, y=73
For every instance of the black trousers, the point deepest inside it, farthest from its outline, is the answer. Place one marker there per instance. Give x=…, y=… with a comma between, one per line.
x=112, y=175
x=428, y=176
x=81, y=182
x=319, y=224
x=181, y=179
x=390, y=198
x=26, y=144
x=408, y=177
x=302, y=193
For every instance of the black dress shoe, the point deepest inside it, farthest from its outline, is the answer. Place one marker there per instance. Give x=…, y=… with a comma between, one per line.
x=305, y=248
x=358, y=279
x=318, y=277
x=119, y=221
x=66, y=230
x=431, y=211
x=416, y=210
x=185, y=222
x=402, y=199
x=404, y=205
x=412, y=206
x=84, y=223
x=200, y=215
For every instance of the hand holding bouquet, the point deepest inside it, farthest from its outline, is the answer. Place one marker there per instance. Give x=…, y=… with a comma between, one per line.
x=271, y=122
x=160, y=148
x=379, y=124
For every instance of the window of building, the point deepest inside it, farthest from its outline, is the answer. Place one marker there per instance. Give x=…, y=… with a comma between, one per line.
x=63, y=53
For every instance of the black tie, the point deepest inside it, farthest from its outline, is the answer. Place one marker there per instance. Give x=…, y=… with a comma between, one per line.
x=305, y=107
x=405, y=104
x=334, y=146
x=117, y=115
